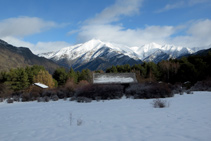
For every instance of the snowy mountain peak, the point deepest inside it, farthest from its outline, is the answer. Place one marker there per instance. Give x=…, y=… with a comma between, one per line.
x=86, y=52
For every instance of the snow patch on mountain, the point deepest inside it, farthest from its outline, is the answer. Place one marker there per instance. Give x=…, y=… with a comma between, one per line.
x=89, y=50
x=86, y=52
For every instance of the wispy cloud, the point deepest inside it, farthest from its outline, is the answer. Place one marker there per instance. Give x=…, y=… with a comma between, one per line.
x=167, y=7
x=181, y=4
x=115, y=11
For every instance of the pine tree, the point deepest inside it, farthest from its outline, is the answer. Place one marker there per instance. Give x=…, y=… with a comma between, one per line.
x=18, y=79
x=73, y=75
x=60, y=75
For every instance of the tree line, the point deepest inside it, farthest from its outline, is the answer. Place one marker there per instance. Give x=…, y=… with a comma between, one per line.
x=192, y=69
x=21, y=78
x=187, y=69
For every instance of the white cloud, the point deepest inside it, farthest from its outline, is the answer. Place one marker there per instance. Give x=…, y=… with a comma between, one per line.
x=108, y=28
x=131, y=37
x=40, y=47
x=113, y=12
x=198, y=34
x=23, y=26
x=17, y=42
x=103, y=28
x=13, y=31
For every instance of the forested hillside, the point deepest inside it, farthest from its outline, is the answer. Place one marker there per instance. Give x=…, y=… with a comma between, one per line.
x=13, y=57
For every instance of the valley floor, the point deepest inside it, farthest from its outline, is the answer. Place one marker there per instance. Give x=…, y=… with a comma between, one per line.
x=188, y=118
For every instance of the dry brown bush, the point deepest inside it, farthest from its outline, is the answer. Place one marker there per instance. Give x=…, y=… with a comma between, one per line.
x=100, y=91
x=202, y=85
x=5, y=91
x=158, y=103
x=82, y=83
x=26, y=97
x=149, y=90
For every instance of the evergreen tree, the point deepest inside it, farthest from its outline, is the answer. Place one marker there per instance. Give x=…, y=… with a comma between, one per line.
x=60, y=75
x=126, y=68
x=152, y=71
x=3, y=76
x=33, y=71
x=85, y=75
x=187, y=71
x=73, y=75
x=18, y=79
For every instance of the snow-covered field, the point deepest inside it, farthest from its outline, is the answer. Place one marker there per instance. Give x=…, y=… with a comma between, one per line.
x=188, y=118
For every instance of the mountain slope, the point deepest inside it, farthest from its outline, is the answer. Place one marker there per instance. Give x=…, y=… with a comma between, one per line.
x=203, y=52
x=157, y=56
x=93, y=55
x=96, y=54
x=13, y=57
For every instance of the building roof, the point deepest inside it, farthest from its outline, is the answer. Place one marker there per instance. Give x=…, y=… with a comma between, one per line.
x=41, y=85
x=117, y=78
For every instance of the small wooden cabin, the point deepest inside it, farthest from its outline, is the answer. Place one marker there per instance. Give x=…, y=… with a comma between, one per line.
x=114, y=78
x=124, y=79
x=40, y=85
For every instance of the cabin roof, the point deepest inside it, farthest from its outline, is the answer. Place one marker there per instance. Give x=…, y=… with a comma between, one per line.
x=41, y=85
x=117, y=78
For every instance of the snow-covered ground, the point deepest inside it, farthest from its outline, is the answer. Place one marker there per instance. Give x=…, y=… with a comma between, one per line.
x=188, y=118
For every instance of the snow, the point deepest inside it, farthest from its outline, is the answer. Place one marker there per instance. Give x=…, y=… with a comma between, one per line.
x=186, y=119
x=41, y=85
x=104, y=79
x=87, y=51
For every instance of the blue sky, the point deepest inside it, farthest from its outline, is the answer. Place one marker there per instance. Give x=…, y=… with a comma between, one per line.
x=47, y=25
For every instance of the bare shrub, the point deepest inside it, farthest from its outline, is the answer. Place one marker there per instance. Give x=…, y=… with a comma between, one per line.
x=40, y=99
x=189, y=92
x=61, y=93
x=70, y=88
x=202, y=85
x=1, y=99
x=103, y=91
x=25, y=97
x=34, y=95
x=79, y=122
x=82, y=83
x=98, y=98
x=149, y=90
x=72, y=98
x=46, y=99
x=177, y=89
x=55, y=98
x=5, y=91
x=16, y=98
x=9, y=100
x=158, y=103
x=71, y=118
x=83, y=100
x=48, y=93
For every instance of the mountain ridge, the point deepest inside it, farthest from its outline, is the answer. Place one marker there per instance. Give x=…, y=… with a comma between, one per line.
x=94, y=55
x=85, y=54
x=13, y=57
